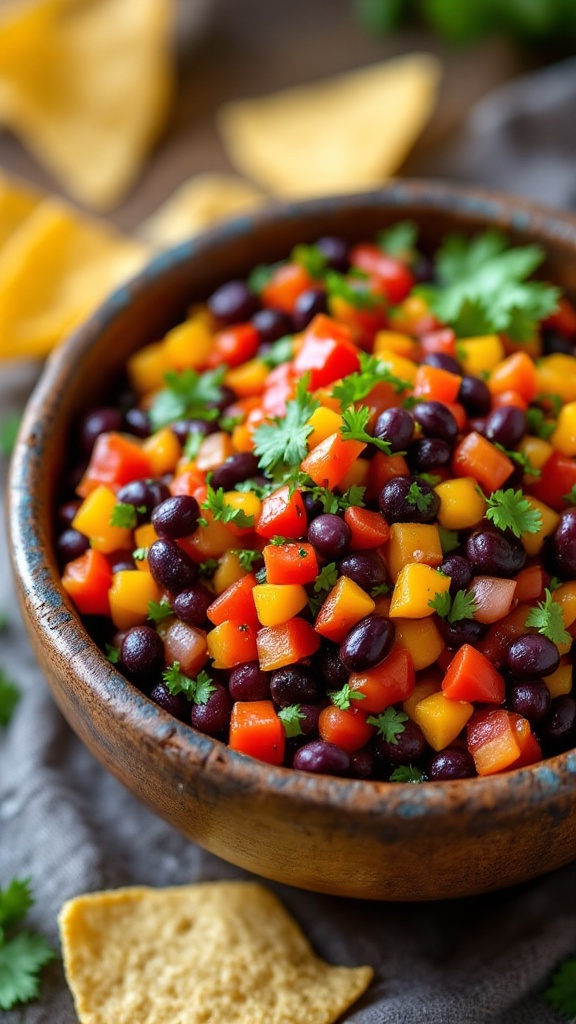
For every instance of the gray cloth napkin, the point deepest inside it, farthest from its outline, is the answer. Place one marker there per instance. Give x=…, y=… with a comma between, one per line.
x=72, y=828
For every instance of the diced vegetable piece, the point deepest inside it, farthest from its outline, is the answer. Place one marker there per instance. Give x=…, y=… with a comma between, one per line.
x=283, y=645
x=413, y=542
x=564, y=437
x=387, y=683
x=368, y=529
x=283, y=515
x=328, y=463
x=434, y=384
x=476, y=457
x=187, y=344
x=478, y=356
x=427, y=683
x=324, y=422
x=347, y=728
x=556, y=375
x=441, y=719
x=130, y=595
x=416, y=586
x=565, y=596
x=344, y=606
x=87, y=580
x=421, y=638
x=278, y=602
x=493, y=597
x=494, y=741
x=533, y=542
x=229, y=571
x=327, y=352
x=471, y=677
x=163, y=450
x=557, y=479
x=290, y=563
x=94, y=520
x=187, y=645
x=462, y=506
x=232, y=643
x=256, y=730
x=515, y=373
x=116, y=460
x=560, y=681
x=236, y=602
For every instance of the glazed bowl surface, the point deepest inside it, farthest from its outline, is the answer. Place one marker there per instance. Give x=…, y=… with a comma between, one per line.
x=370, y=840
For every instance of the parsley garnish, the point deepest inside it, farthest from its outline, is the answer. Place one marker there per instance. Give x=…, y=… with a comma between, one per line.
x=538, y=424
x=279, y=541
x=390, y=724
x=510, y=510
x=22, y=953
x=570, y=498
x=310, y=257
x=520, y=458
x=8, y=431
x=326, y=578
x=193, y=444
x=140, y=554
x=125, y=515
x=9, y=697
x=373, y=370
x=354, y=428
x=407, y=773
x=399, y=240
x=159, y=610
x=335, y=503
x=417, y=497
x=353, y=289
x=208, y=568
x=461, y=606
x=449, y=540
x=247, y=557
x=482, y=287
x=561, y=993
x=281, y=443
x=546, y=617
x=187, y=394
x=112, y=653
x=291, y=718
x=196, y=690
x=216, y=504
x=343, y=698
x=380, y=590
x=280, y=351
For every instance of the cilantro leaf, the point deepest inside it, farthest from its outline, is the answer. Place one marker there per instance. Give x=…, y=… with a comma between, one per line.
x=124, y=515
x=216, y=504
x=208, y=568
x=196, y=690
x=547, y=618
x=9, y=427
x=112, y=653
x=20, y=961
x=15, y=902
x=193, y=444
x=510, y=510
x=281, y=443
x=326, y=578
x=461, y=606
x=353, y=289
x=399, y=240
x=140, y=554
x=373, y=370
x=247, y=557
x=419, y=498
x=9, y=697
x=407, y=773
x=570, y=498
x=280, y=351
x=343, y=698
x=291, y=717
x=159, y=610
x=354, y=428
x=449, y=540
x=310, y=257
x=482, y=287
x=538, y=424
x=390, y=724
x=335, y=503
x=561, y=993
x=187, y=394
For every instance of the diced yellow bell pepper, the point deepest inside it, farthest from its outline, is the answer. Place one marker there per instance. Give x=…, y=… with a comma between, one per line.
x=533, y=541
x=188, y=344
x=416, y=586
x=556, y=375
x=559, y=682
x=440, y=719
x=395, y=341
x=146, y=368
x=565, y=596
x=479, y=355
x=144, y=536
x=423, y=688
x=130, y=595
x=408, y=314
x=323, y=422
x=536, y=450
x=93, y=519
x=210, y=541
x=278, y=602
x=229, y=571
x=249, y=379
x=564, y=437
x=344, y=606
x=400, y=366
x=357, y=475
x=163, y=449
x=422, y=638
x=248, y=502
x=462, y=505
x=413, y=542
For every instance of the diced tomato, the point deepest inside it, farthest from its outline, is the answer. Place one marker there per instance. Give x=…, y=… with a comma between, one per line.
x=347, y=728
x=116, y=460
x=256, y=730
x=327, y=353
x=471, y=677
x=290, y=563
x=87, y=580
x=283, y=515
x=396, y=279
x=234, y=345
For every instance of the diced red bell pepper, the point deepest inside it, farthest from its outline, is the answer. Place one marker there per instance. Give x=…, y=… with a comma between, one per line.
x=87, y=580
x=256, y=730
x=557, y=478
x=369, y=529
x=388, y=683
x=286, y=644
x=327, y=352
x=347, y=728
x=290, y=563
x=236, y=602
x=116, y=460
x=328, y=463
x=471, y=677
x=434, y=384
x=234, y=345
x=283, y=515
x=531, y=584
x=396, y=279
x=287, y=282
x=232, y=643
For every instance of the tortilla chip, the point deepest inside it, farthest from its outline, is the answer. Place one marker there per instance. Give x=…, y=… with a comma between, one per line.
x=343, y=134
x=86, y=86
x=214, y=953
x=198, y=203
x=54, y=270
x=16, y=203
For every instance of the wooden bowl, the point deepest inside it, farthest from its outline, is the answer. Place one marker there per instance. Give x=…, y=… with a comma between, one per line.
x=353, y=838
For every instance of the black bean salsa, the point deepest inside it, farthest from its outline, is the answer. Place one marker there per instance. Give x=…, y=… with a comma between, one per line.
x=331, y=518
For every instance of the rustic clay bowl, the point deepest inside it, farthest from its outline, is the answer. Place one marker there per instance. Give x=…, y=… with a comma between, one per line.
x=347, y=837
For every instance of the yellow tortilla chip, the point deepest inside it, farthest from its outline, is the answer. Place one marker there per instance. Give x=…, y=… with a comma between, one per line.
x=16, y=203
x=86, y=85
x=343, y=134
x=214, y=953
x=54, y=270
x=198, y=203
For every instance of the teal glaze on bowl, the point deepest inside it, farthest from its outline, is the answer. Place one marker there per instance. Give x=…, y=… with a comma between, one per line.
x=403, y=841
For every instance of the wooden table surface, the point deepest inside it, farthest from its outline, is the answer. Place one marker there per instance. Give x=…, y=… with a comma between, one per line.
x=250, y=47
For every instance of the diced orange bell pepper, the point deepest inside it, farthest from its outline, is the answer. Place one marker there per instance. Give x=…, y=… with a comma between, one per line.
x=256, y=730
x=236, y=602
x=116, y=460
x=388, y=683
x=290, y=563
x=421, y=638
x=283, y=515
x=87, y=580
x=278, y=602
x=328, y=463
x=471, y=677
x=477, y=457
x=369, y=529
x=413, y=542
x=94, y=520
x=232, y=643
x=346, y=727
x=344, y=606
x=434, y=384
x=515, y=373
x=286, y=283
x=286, y=644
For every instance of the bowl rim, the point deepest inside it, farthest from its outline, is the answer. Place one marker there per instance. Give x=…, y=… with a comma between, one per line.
x=39, y=584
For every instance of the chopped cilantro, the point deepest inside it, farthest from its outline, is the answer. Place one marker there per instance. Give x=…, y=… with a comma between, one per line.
x=538, y=424
x=159, y=610
x=124, y=515
x=380, y=590
x=22, y=953
x=310, y=257
x=221, y=511
x=9, y=427
x=335, y=503
x=520, y=458
x=208, y=568
x=353, y=289
x=449, y=540
x=326, y=578
x=510, y=510
x=570, y=498
x=279, y=542
x=354, y=428
x=461, y=606
x=280, y=351
x=195, y=690
x=247, y=557
x=343, y=698
x=483, y=288
x=407, y=773
x=281, y=443
x=112, y=653
x=187, y=394
x=546, y=617
x=399, y=240
x=260, y=490
x=193, y=444
x=9, y=697
x=390, y=724
x=418, y=498
x=259, y=277
x=561, y=993
x=291, y=718
x=140, y=554
x=432, y=479
x=356, y=386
